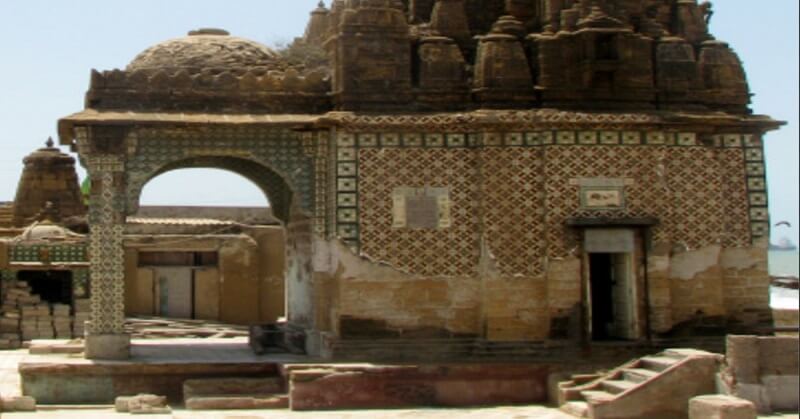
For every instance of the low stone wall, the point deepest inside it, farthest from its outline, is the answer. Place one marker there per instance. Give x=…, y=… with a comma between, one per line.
x=763, y=370
x=364, y=386
x=102, y=383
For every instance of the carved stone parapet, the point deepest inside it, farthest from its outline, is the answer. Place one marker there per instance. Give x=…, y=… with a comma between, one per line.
x=594, y=68
x=690, y=22
x=442, y=74
x=723, y=76
x=502, y=72
x=371, y=56
x=279, y=91
x=677, y=73
x=449, y=18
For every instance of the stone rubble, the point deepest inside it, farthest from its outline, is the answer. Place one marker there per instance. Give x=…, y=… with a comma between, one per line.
x=25, y=317
x=148, y=404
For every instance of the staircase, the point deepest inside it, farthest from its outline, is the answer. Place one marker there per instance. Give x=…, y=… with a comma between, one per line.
x=235, y=393
x=657, y=386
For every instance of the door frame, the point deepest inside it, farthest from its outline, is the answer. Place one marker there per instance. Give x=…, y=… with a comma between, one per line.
x=641, y=227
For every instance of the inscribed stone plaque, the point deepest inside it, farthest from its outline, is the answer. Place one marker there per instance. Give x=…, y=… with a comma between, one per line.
x=608, y=240
x=422, y=211
x=421, y=208
x=602, y=198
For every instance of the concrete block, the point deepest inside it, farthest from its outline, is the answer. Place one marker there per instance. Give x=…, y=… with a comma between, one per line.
x=121, y=403
x=721, y=407
x=19, y=404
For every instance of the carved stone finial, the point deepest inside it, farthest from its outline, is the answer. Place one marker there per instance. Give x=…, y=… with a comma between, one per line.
x=209, y=31
x=49, y=142
x=706, y=8
x=321, y=4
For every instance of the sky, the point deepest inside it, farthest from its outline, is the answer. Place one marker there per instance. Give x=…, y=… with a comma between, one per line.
x=51, y=46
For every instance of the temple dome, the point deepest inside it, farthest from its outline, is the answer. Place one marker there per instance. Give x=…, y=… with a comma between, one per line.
x=204, y=49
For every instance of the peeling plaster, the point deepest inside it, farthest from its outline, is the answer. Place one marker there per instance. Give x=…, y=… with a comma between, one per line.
x=687, y=265
x=349, y=265
x=487, y=265
x=658, y=264
x=741, y=259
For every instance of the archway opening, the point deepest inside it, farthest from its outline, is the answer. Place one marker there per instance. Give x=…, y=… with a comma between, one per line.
x=205, y=244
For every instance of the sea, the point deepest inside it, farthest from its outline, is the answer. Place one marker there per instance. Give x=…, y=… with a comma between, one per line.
x=784, y=263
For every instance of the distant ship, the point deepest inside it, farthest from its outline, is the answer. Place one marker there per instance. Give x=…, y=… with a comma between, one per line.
x=783, y=244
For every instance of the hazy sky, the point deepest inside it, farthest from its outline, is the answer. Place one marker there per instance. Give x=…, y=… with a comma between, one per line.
x=49, y=48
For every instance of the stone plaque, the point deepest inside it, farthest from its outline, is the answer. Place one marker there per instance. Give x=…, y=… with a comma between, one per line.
x=421, y=208
x=602, y=198
x=608, y=240
x=422, y=211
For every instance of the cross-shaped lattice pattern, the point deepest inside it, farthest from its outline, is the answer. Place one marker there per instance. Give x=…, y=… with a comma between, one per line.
x=527, y=188
x=513, y=198
x=451, y=251
x=278, y=151
x=106, y=257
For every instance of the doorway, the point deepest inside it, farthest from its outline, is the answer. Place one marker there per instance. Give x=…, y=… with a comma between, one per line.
x=54, y=287
x=612, y=301
x=184, y=285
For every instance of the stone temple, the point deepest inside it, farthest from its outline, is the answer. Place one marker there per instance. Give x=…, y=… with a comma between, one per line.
x=494, y=172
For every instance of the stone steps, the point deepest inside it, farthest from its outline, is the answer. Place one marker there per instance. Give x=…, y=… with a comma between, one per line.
x=638, y=375
x=653, y=384
x=658, y=363
x=576, y=408
x=618, y=386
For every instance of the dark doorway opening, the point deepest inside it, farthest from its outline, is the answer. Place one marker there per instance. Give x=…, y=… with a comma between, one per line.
x=54, y=287
x=601, y=283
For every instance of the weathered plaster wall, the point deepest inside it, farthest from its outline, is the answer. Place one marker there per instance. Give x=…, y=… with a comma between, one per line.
x=764, y=370
x=138, y=286
x=238, y=264
x=746, y=284
x=272, y=255
x=511, y=195
x=299, y=272
x=249, y=275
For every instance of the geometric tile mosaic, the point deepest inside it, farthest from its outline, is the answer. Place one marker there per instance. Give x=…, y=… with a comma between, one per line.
x=451, y=251
x=513, y=203
x=106, y=255
x=282, y=159
x=698, y=192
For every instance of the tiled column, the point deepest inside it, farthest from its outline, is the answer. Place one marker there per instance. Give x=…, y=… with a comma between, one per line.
x=105, y=336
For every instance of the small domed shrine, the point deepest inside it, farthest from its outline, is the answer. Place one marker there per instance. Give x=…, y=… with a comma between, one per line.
x=48, y=179
x=505, y=172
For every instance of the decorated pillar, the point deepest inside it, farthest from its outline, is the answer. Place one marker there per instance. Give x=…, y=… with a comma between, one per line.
x=105, y=335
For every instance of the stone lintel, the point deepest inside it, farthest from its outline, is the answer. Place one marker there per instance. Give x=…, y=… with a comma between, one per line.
x=590, y=222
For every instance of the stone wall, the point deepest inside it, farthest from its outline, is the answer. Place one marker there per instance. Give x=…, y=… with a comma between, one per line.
x=763, y=370
x=610, y=54
x=507, y=266
x=249, y=275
